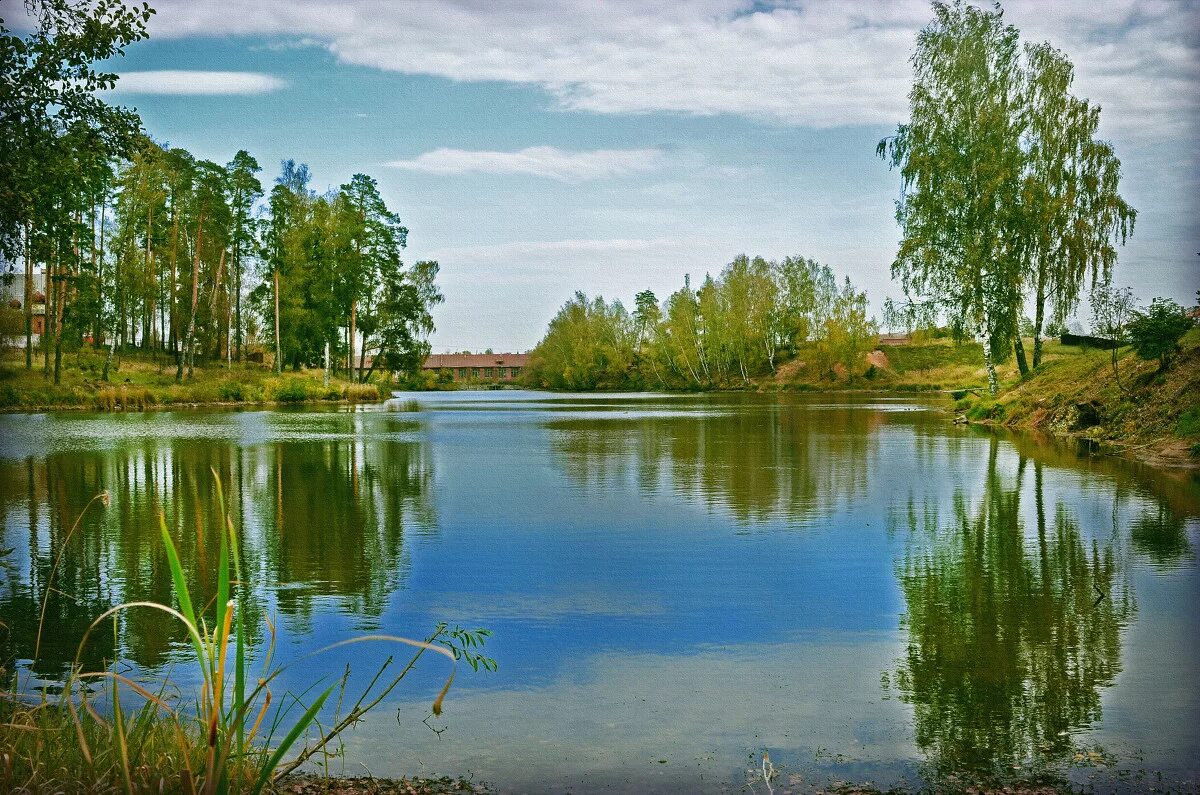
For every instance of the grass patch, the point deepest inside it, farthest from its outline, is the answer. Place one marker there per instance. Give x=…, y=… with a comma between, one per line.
x=138, y=381
x=1188, y=423
x=102, y=731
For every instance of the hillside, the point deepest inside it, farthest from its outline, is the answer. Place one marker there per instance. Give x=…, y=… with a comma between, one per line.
x=1150, y=415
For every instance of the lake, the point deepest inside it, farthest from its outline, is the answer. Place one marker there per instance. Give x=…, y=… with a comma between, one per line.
x=675, y=583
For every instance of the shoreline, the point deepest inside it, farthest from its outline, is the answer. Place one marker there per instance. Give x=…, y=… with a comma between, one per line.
x=74, y=408
x=1164, y=452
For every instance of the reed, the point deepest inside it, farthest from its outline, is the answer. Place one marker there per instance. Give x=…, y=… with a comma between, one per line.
x=104, y=732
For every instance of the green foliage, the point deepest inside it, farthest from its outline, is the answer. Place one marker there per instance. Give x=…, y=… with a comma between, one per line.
x=734, y=328
x=1155, y=333
x=52, y=122
x=589, y=345
x=240, y=392
x=986, y=410
x=1006, y=190
x=1188, y=423
x=288, y=391
x=848, y=332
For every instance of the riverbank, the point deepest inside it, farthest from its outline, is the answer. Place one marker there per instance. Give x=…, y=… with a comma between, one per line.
x=145, y=382
x=1131, y=409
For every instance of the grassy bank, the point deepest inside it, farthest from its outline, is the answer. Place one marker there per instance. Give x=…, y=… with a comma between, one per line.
x=143, y=381
x=1135, y=409
x=931, y=365
x=111, y=729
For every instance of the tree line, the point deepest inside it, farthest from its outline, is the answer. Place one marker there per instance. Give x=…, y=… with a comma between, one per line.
x=147, y=247
x=754, y=315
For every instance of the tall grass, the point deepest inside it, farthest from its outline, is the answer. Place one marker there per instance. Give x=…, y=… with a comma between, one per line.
x=228, y=737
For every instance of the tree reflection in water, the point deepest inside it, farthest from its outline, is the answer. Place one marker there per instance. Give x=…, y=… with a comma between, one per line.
x=1012, y=634
x=757, y=459
x=322, y=517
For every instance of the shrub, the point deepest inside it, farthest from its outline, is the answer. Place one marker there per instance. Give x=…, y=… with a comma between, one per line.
x=291, y=391
x=55, y=740
x=986, y=411
x=9, y=396
x=124, y=398
x=360, y=392
x=1155, y=333
x=1188, y=423
x=239, y=392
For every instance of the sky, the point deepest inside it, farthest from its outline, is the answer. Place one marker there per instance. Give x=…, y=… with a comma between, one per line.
x=538, y=148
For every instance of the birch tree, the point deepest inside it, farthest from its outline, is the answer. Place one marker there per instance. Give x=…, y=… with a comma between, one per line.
x=960, y=160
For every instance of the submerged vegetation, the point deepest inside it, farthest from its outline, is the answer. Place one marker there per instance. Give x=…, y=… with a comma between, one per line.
x=105, y=729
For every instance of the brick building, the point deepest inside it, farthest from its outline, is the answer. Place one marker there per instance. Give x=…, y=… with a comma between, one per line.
x=488, y=367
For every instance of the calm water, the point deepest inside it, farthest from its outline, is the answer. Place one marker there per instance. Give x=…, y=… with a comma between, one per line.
x=675, y=583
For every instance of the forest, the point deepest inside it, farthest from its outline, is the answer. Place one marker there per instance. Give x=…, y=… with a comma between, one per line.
x=146, y=247
x=745, y=322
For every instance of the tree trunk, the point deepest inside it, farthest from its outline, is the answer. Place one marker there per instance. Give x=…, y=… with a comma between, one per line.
x=187, y=340
x=1039, y=316
x=278, y=346
x=988, y=363
x=60, y=300
x=174, y=334
x=48, y=315
x=28, y=301
x=237, y=315
x=212, y=302
x=362, y=363
x=353, y=320
x=148, y=338
x=1019, y=350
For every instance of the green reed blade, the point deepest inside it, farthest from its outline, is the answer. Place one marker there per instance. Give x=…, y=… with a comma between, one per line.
x=181, y=593
x=301, y=726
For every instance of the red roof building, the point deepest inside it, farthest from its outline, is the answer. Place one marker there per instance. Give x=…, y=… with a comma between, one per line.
x=492, y=367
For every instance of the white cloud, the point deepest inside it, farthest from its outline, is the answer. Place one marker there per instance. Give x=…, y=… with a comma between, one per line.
x=188, y=82
x=817, y=64
x=539, y=161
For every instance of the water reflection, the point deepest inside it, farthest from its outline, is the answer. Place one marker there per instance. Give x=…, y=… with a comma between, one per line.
x=1013, y=630
x=635, y=556
x=1160, y=536
x=757, y=459
x=322, y=515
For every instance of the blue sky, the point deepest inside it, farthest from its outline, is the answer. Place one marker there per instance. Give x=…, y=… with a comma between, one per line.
x=538, y=148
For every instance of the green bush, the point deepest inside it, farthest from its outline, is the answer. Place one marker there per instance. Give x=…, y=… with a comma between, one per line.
x=89, y=360
x=9, y=396
x=986, y=411
x=1188, y=423
x=240, y=392
x=1155, y=333
x=289, y=392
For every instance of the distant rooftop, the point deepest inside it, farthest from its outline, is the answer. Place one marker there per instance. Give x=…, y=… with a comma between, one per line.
x=437, y=361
